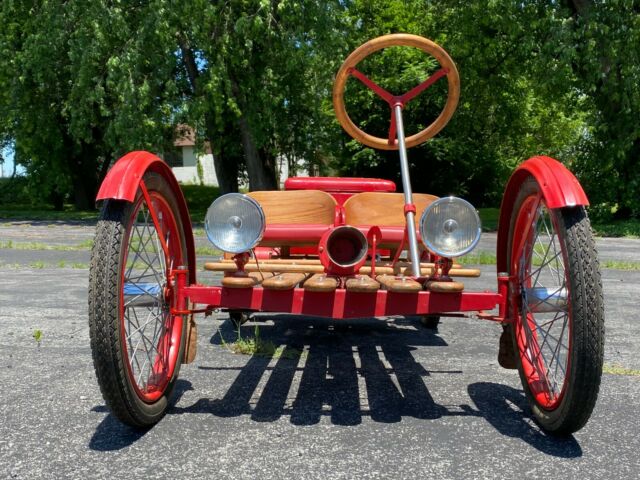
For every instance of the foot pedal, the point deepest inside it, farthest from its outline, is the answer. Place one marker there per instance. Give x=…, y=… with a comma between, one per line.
x=399, y=284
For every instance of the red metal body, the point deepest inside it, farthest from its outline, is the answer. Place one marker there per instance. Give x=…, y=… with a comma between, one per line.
x=560, y=188
x=123, y=180
x=341, y=304
x=343, y=185
x=340, y=188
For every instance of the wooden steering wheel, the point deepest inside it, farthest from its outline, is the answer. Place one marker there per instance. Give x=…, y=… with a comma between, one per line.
x=348, y=68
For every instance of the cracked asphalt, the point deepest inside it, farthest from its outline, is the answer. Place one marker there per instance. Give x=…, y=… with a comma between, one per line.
x=372, y=398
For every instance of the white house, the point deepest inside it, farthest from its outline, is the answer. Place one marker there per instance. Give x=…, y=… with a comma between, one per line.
x=192, y=168
x=188, y=166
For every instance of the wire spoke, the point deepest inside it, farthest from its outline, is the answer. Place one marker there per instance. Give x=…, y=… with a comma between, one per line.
x=543, y=334
x=148, y=325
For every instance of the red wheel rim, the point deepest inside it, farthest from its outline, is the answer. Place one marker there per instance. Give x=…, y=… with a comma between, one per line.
x=542, y=306
x=151, y=336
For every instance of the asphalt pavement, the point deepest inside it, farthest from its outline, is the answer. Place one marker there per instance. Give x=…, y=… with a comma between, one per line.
x=372, y=398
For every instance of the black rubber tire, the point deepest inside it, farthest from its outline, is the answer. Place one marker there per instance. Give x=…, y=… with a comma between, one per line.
x=430, y=321
x=104, y=323
x=587, y=320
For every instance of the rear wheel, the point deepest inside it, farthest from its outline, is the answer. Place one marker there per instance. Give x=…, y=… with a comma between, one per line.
x=558, y=329
x=137, y=344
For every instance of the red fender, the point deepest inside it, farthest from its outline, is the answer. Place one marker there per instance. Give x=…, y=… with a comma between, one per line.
x=121, y=183
x=560, y=188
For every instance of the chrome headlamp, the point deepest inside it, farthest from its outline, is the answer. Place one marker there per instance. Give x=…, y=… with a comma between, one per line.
x=234, y=223
x=450, y=227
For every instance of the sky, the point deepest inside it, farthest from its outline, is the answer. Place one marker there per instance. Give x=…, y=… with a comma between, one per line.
x=7, y=166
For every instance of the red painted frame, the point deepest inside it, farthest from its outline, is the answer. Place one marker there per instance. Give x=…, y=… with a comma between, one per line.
x=560, y=189
x=340, y=303
x=124, y=178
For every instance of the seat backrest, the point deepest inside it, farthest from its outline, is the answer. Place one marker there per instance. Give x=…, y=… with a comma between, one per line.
x=296, y=207
x=382, y=209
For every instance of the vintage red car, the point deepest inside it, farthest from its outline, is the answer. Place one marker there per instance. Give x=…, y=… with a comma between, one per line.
x=347, y=248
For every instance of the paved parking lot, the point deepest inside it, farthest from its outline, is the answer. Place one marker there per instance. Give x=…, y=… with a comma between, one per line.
x=368, y=398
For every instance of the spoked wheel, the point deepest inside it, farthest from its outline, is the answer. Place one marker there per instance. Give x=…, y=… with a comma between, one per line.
x=137, y=344
x=558, y=312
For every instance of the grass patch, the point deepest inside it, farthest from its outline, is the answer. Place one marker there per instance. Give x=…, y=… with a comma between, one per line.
x=199, y=197
x=83, y=246
x=629, y=228
x=616, y=265
x=479, y=258
x=486, y=258
x=489, y=218
x=258, y=347
x=620, y=370
x=206, y=250
x=39, y=265
x=37, y=336
x=44, y=213
x=617, y=228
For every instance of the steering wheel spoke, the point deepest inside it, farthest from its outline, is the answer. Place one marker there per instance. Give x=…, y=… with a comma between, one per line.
x=381, y=92
x=414, y=92
x=393, y=129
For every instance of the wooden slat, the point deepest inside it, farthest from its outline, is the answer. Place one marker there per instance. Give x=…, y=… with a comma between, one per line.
x=382, y=209
x=298, y=261
x=260, y=276
x=321, y=283
x=239, y=282
x=362, y=284
x=296, y=268
x=283, y=281
x=297, y=207
x=444, y=287
x=399, y=285
x=316, y=261
x=265, y=267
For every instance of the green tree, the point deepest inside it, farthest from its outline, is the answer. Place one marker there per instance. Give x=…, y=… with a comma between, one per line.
x=508, y=110
x=70, y=105
x=257, y=71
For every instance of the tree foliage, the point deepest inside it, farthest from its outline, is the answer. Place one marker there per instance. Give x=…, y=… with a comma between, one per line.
x=83, y=81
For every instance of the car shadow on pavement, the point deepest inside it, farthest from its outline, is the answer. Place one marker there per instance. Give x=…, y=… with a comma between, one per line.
x=111, y=434
x=507, y=410
x=319, y=364
x=355, y=369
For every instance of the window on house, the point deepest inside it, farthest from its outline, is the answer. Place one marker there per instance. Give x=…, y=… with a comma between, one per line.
x=174, y=158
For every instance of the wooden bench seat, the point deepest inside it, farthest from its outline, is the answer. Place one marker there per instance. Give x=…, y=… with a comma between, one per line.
x=314, y=211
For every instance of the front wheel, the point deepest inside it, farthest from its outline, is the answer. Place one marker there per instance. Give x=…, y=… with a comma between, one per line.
x=137, y=344
x=557, y=309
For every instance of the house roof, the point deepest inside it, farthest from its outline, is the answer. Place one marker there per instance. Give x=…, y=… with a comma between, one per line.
x=186, y=137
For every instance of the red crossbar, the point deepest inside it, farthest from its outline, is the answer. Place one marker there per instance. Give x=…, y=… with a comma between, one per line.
x=340, y=303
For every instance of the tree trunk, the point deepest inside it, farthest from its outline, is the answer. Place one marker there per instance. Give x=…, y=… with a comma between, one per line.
x=260, y=169
x=225, y=165
x=226, y=169
x=84, y=177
